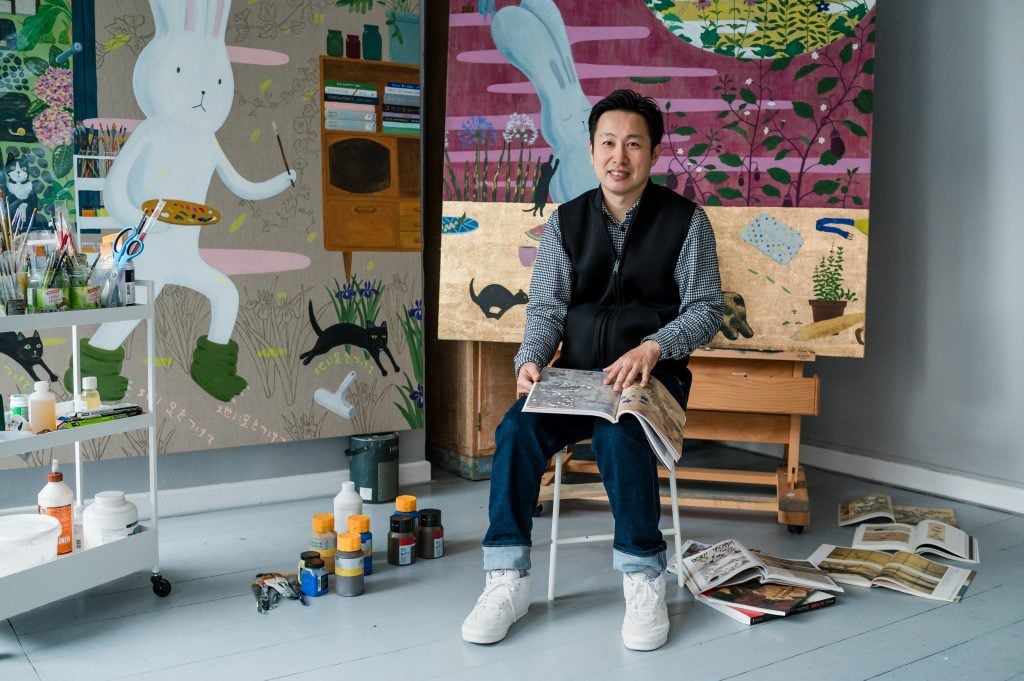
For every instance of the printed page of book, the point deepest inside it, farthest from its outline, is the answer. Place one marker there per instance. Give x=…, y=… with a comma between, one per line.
x=874, y=506
x=848, y=565
x=726, y=562
x=912, y=515
x=916, y=575
x=655, y=405
x=796, y=572
x=667, y=454
x=690, y=547
x=572, y=391
x=884, y=537
x=933, y=536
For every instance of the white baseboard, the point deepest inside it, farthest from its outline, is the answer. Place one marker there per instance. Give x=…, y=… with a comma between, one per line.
x=958, y=486
x=204, y=498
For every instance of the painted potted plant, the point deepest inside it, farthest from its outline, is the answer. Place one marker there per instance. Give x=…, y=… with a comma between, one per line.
x=830, y=298
x=403, y=21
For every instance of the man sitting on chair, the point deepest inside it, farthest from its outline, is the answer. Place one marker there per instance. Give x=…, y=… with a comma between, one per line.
x=627, y=281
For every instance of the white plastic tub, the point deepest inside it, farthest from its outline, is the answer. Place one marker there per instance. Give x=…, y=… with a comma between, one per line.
x=27, y=540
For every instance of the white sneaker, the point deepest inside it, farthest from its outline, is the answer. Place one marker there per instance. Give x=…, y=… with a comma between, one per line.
x=645, y=626
x=505, y=599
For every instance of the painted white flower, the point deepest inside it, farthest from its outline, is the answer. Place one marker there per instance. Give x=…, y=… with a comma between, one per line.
x=699, y=169
x=856, y=46
x=681, y=152
x=746, y=113
x=821, y=140
x=823, y=107
x=748, y=81
x=520, y=127
x=771, y=103
x=814, y=55
x=766, y=131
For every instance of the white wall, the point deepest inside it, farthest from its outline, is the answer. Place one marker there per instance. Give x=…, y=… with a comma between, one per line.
x=942, y=383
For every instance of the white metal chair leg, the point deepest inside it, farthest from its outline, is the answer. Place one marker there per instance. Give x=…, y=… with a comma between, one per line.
x=677, y=531
x=555, y=508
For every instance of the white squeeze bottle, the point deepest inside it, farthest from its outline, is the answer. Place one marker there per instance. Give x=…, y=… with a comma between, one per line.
x=42, y=408
x=56, y=500
x=346, y=503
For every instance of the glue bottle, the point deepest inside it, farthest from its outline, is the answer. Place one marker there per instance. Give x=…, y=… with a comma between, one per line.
x=89, y=393
x=55, y=499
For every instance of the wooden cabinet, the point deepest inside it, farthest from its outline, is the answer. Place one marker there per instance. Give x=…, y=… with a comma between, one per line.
x=371, y=180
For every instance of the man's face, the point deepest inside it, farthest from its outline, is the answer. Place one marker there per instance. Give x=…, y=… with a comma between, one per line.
x=622, y=154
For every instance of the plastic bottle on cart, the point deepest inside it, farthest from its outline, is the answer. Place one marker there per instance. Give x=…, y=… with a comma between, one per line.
x=109, y=517
x=346, y=503
x=56, y=499
x=89, y=392
x=42, y=408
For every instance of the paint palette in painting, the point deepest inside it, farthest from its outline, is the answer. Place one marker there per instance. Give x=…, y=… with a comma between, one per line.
x=184, y=213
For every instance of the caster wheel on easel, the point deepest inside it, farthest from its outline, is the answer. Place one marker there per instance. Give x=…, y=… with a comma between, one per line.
x=161, y=587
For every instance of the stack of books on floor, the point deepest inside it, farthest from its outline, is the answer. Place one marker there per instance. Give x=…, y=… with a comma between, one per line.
x=401, y=109
x=753, y=587
x=350, y=106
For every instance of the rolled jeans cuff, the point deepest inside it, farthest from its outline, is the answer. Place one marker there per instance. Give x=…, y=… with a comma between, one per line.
x=625, y=562
x=508, y=558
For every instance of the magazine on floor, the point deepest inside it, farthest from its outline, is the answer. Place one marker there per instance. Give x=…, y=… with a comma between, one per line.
x=573, y=391
x=878, y=506
x=728, y=562
x=748, y=616
x=928, y=536
x=902, y=571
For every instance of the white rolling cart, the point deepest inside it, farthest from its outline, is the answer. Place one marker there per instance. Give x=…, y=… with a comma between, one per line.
x=84, y=569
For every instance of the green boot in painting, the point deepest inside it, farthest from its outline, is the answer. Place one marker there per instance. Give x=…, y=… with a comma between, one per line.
x=213, y=369
x=105, y=365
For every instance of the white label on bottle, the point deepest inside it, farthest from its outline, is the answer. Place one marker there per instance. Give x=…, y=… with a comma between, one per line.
x=438, y=547
x=405, y=554
x=366, y=493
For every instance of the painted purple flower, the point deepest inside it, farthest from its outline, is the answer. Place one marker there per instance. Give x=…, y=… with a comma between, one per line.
x=477, y=132
x=347, y=292
x=54, y=86
x=703, y=4
x=53, y=127
x=749, y=3
x=417, y=395
x=368, y=291
x=417, y=311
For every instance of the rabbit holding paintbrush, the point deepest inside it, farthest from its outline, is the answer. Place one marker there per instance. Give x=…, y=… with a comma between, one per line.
x=184, y=84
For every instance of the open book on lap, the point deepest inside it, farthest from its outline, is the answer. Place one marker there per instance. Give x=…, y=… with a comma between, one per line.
x=583, y=393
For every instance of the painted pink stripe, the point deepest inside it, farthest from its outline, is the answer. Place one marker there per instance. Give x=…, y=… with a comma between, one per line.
x=129, y=124
x=190, y=15
x=598, y=70
x=254, y=55
x=218, y=17
x=576, y=33
x=661, y=167
x=241, y=261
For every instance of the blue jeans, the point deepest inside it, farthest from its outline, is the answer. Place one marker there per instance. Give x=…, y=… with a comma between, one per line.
x=525, y=442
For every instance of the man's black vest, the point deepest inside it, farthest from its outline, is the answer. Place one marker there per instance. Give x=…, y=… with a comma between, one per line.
x=617, y=301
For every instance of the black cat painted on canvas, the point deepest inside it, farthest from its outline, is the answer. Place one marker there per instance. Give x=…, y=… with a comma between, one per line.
x=543, y=184
x=372, y=338
x=495, y=300
x=26, y=351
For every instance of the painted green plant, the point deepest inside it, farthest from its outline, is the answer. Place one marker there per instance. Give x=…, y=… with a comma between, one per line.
x=807, y=136
x=827, y=279
x=357, y=302
x=411, y=393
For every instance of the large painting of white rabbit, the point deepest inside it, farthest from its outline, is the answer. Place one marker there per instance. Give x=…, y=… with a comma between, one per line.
x=262, y=335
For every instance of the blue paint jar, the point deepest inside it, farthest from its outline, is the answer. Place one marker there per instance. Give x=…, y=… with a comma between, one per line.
x=313, y=577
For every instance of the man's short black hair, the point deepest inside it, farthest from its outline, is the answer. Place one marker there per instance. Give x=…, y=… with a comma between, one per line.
x=628, y=100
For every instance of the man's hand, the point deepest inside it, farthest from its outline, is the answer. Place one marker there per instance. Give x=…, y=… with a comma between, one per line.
x=529, y=374
x=637, y=363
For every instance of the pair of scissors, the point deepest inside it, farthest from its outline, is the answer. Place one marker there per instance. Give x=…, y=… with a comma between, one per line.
x=127, y=246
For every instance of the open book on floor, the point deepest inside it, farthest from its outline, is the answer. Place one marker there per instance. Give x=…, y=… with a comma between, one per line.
x=573, y=391
x=728, y=562
x=902, y=571
x=878, y=506
x=771, y=597
x=928, y=536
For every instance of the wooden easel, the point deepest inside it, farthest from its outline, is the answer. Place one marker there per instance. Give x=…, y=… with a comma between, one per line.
x=743, y=396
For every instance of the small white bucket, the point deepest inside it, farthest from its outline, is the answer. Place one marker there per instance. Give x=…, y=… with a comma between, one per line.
x=27, y=540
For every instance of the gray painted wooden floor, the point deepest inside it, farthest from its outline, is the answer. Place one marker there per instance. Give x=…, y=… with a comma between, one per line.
x=407, y=623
